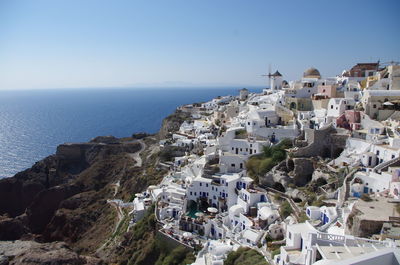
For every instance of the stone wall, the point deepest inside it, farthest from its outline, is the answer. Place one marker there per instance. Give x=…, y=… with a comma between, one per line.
x=326, y=142
x=171, y=243
x=303, y=170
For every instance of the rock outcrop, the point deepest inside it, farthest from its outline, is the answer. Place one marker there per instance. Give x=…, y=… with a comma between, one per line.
x=172, y=123
x=64, y=198
x=326, y=142
x=33, y=253
x=298, y=171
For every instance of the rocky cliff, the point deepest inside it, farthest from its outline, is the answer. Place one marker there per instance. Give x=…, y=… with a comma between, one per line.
x=63, y=198
x=57, y=210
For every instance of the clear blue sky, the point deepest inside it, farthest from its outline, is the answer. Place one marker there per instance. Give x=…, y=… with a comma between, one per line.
x=87, y=43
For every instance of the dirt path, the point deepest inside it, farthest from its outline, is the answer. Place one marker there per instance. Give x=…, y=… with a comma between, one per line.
x=136, y=156
x=120, y=217
x=116, y=187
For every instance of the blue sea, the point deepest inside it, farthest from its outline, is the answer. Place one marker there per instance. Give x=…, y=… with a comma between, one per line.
x=33, y=123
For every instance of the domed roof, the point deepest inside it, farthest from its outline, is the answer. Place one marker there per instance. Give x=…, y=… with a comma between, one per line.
x=312, y=73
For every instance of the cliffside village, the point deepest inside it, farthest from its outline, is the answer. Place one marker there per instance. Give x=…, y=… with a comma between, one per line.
x=340, y=178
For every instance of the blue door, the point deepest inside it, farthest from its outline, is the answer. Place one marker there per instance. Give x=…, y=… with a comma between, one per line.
x=326, y=219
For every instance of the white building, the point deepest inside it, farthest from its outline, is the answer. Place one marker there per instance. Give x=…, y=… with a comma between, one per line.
x=325, y=214
x=218, y=191
x=336, y=107
x=305, y=245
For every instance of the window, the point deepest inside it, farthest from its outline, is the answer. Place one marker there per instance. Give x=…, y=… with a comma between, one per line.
x=290, y=235
x=331, y=106
x=232, y=165
x=393, y=156
x=377, y=152
x=374, y=106
x=191, y=193
x=233, y=148
x=206, y=184
x=201, y=184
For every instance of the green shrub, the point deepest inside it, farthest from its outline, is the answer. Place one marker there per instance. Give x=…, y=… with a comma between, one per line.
x=265, y=166
x=275, y=252
x=285, y=210
x=178, y=256
x=245, y=256
x=303, y=217
x=258, y=165
x=241, y=134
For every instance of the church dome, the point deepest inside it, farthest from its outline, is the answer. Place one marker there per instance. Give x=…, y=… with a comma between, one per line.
x=312, y=73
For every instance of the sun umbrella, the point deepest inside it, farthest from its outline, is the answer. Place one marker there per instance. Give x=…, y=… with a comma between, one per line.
x=212, y=210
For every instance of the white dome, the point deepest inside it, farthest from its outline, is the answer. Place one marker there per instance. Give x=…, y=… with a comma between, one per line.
x=236, y=210
x=265, y=213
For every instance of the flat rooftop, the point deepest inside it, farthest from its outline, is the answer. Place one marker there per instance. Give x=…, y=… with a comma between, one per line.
x=343, y=252
x=379, y=209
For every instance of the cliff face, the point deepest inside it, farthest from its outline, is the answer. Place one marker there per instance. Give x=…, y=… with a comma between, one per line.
x=17, y=193
x=64, y=196
x=32, y=253
x=172, y=123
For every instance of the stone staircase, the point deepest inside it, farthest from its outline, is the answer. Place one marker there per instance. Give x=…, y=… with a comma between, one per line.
x=386, y=164
x=345, y=189
x=340, y=215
